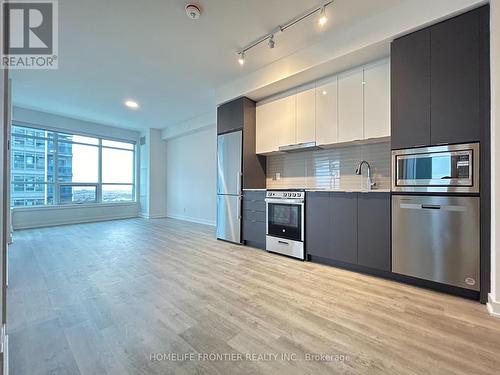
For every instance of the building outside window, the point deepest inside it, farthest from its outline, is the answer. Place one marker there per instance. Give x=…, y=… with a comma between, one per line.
x=59, y=168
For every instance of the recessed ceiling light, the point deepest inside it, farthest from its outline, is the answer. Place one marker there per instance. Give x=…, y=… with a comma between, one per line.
x=132, y=104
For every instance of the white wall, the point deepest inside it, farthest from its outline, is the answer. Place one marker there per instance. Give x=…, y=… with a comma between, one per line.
x=153, y=175
x=494, y=297
x=144, y=175
x=34, y=217
x=48, y=120
x=191, y=176
x=47, y=216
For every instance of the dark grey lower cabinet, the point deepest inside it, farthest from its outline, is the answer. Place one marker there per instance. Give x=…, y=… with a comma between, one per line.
x=254, y=219
x=343, y=228
x=318, y=224
x=254, y=233
x=374, y=230
x=350, y=228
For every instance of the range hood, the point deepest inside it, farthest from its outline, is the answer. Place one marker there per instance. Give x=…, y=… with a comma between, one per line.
x=308, y=146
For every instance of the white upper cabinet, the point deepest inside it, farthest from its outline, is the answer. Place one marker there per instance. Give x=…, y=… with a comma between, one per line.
x=377, y=78
x=350, y=91
x=306, y=115
x=285, y=120
x=326, y=112
x=354, y=105
x=275, y=124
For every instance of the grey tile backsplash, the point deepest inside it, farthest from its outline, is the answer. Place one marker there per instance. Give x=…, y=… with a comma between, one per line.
x=330, y=169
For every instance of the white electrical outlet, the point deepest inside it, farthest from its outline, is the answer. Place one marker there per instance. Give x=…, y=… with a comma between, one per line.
x=278, y=176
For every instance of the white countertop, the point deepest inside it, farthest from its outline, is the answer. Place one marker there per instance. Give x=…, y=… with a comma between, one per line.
x=334, y=190
x=350, y=190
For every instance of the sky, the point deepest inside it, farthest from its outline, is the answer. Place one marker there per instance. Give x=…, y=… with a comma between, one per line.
x=117, y=165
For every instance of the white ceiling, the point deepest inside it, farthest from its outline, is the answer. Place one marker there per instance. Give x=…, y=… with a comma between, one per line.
x=150, y=51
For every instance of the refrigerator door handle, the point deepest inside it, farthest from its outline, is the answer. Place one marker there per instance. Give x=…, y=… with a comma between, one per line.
x=238, y=182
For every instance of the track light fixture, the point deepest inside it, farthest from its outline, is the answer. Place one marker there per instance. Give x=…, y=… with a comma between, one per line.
x=281, y=28
x=322, y=16
x=271, y=42
x=241, y=59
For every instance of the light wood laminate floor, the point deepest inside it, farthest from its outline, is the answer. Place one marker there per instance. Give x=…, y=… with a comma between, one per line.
x=100, y=298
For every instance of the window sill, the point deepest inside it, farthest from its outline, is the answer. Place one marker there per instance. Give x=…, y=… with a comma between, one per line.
x=74, y=206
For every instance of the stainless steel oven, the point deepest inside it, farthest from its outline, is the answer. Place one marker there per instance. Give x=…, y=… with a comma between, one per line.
x=285, y=223
x=439, y=169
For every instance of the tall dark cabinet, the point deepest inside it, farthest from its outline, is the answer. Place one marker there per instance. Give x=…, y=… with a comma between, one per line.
x=435, y=83
x=239, y=114
x=455, y=80
x=410, y=90
x=440, y=94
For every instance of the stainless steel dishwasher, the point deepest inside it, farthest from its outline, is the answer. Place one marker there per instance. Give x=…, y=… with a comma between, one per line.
x=437, y=238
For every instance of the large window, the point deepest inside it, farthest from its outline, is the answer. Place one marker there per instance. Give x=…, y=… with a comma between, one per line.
x=59, y=168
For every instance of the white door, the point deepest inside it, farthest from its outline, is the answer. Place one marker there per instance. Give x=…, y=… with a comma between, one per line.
x=377, y=102
x=306, y=115
x=350, y=91
x=326, y=111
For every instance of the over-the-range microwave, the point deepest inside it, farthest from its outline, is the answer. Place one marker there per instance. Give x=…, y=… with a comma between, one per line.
x=439, y=169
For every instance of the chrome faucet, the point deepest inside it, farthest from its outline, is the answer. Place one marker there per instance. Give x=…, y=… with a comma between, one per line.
x=371, y=184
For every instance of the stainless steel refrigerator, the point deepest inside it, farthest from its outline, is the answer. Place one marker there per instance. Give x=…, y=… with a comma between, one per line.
x=229, y=163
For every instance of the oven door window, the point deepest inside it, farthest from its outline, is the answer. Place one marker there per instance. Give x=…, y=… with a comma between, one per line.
x=285, y=221
x=452, y=169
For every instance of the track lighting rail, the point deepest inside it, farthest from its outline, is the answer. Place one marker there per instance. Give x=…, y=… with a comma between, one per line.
x=281, y=28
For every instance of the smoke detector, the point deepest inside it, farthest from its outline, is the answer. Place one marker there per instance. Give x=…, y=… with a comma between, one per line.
x=193, y=11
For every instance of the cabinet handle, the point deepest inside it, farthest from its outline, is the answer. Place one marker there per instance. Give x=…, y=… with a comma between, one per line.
x=283, y=242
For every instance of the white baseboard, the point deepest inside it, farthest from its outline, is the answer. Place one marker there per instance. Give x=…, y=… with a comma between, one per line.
x=6, y=356
x=4, y=350
x=493, y=307
x=192, y=219
x=158, y=216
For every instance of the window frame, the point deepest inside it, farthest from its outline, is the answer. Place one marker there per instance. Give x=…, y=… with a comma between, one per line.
x=53, y=136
